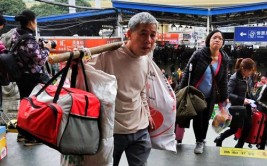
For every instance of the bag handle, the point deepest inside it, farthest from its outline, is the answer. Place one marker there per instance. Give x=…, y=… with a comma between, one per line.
x=63, y=78
x=64, y=73
x=190, y=72
x=74, y=72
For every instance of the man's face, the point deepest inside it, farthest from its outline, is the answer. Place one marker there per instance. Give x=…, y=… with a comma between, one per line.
x=142, y=39
x=1, y=27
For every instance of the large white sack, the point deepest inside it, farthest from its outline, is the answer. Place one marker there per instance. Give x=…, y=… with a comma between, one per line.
x=162, y=104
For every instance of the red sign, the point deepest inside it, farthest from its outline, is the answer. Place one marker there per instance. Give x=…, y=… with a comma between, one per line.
x=68, y=44
x=171, y=37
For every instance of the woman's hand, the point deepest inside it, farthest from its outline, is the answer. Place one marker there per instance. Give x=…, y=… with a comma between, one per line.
x=246, y=101
x=223, y=104
x=47, y=44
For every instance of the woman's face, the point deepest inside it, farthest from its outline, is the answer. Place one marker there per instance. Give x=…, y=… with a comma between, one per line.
x=32, y=25
x=216, y=41
x=247, y=73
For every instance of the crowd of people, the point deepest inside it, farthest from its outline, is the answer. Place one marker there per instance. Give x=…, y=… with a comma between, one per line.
x=132, y=116
x=240, y=88
x=210, y=67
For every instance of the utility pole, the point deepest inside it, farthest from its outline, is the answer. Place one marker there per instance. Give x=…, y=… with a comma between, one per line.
x=208, y=21
x=97, y=4
x=71, y=9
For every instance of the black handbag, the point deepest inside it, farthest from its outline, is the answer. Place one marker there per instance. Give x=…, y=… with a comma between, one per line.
x=238, y=115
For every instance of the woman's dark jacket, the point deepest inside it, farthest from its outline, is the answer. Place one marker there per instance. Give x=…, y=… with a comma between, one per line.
x=237, y=88
x=31, y=56
x=201, y=59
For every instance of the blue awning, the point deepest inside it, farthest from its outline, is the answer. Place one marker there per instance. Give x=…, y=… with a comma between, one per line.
x=188, y=10
x=159, y=7
x=124, y=5
x=239, y=8
x=68, y=16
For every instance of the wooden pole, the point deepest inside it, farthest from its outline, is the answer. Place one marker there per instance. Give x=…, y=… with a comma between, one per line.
x=94, y=50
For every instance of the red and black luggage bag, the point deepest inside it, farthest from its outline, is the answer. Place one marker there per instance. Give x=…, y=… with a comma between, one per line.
x=257, y=128
x=66, y=119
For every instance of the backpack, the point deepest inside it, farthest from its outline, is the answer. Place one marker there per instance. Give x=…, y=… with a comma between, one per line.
x=9, y=69
x=6, y=38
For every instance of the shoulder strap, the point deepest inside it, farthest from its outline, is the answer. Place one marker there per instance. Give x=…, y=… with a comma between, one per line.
x=214, y=81
x=20, y=39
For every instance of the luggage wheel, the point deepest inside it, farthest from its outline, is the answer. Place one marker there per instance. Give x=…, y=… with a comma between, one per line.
x=259, y=147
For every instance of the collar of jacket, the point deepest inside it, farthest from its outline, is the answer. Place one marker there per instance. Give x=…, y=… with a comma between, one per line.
x=24, y=30
x=207, y=53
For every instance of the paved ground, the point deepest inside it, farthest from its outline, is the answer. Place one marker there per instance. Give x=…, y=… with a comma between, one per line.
x=41, y=155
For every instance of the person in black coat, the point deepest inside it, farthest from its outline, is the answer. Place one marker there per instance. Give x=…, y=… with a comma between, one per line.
x=32, y=56
x=209, y=75
x=240, y=91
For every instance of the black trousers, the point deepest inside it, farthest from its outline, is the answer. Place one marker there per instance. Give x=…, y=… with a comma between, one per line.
x=201, y=122
x=25, y=86
x=247, y=124
x=27, y=83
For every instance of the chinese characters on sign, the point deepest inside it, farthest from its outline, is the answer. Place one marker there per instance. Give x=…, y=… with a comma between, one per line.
x=253, y=34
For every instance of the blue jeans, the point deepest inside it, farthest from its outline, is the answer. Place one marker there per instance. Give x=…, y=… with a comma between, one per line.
x=137, y=147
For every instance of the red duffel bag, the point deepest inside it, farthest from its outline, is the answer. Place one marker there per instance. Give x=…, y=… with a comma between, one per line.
x=66, y=119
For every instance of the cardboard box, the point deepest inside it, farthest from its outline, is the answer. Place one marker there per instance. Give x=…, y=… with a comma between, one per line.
x=3, y=144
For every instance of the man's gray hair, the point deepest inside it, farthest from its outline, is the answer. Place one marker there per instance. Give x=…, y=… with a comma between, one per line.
x=141, y=18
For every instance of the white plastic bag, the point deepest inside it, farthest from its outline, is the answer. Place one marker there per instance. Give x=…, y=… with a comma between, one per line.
x=162, y=104
x=104, y=86
x=221, y=120
x=10, y=90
